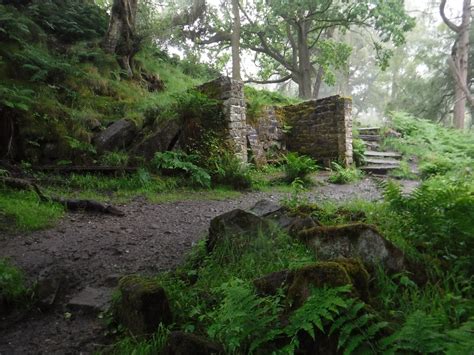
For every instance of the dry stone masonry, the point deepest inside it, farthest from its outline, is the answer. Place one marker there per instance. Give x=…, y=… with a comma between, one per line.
x=231, y=92
x=321, y=129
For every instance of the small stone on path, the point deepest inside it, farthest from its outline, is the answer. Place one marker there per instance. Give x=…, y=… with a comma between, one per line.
x=91, y=299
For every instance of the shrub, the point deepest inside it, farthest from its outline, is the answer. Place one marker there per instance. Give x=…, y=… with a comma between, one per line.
x=438, y=217
x=227, y=169
x=298, y=166
x=181, y=162
x=13, y=289
x=343, y=175
x=118, y=159
x=358, y=150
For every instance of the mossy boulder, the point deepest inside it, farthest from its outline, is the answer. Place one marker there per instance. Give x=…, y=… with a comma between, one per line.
x=116, y=137
x=236, y=226
x=321, y=274
x=292, y=220
x=297, y=284
x=142, y=305
x=358, y=241
x=164, y=137
x=180, y=343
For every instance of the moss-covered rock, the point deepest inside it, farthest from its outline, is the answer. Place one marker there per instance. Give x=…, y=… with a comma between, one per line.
x=142, y=305
x=180, y=343
x=235, y=225
x=297, y=284
x=359, y=241
x=321, y=274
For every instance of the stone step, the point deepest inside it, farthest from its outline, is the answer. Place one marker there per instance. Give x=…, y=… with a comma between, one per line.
x=372, y=153
x=378, y=169
x=370, y=137
x=371, y=146
x=376, y=161
x=369, y=130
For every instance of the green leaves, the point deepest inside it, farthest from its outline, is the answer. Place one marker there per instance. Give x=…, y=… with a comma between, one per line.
x=243, y=320
x=183, y=162
x=298, y=166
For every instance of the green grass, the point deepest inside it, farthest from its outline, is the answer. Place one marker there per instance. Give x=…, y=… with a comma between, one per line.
x=27, y=211
x=13, y=288
x=439, y=150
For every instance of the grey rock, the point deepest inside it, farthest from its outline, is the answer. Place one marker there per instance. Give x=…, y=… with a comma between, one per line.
x=265, y=207
x=235, y=224
x=117, y=136
x=91, y=300
x=359, y=241
x=163, y=138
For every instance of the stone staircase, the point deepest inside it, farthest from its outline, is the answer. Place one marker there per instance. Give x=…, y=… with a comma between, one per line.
x=377, y=161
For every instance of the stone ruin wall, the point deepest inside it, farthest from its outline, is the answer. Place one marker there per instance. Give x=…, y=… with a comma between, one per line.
x=231, y=92
x=321, y=129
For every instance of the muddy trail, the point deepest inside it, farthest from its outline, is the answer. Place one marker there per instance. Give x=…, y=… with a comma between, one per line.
x=92, y=252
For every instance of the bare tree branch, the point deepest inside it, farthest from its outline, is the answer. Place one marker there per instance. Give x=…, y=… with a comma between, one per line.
x=448, y=22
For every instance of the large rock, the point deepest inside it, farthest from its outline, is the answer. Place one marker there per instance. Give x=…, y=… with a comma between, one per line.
x=91, y=300
x=117, y=136
x=298, y=283
x=293, y=221
x=180, y=343
x=143, y=305
x=359, y=241
x=164, y=138
x=235, y=225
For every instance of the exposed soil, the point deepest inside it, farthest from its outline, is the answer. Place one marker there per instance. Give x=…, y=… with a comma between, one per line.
x=95, y=250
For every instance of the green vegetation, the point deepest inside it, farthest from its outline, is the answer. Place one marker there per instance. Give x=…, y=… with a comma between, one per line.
x=13, y=289
x=439, y=150
x=182, y=162
x=26, y=211
x=257, y=100
x=298, y=167
x=344, y=175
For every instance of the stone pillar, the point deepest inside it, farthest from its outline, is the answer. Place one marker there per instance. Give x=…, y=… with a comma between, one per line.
x=231, y=92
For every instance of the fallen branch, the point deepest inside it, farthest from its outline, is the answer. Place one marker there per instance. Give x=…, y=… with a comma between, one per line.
x=71, y=205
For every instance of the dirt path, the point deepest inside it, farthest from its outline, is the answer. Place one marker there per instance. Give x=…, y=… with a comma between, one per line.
x=92, y=250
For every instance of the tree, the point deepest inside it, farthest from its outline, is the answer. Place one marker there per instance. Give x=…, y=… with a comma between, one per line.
x=290, y=35
x=459, y=61
x=120, y=37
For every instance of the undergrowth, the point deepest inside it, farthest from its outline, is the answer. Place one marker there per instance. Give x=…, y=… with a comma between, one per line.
x=23, y=210
x=344, y=175
x=14, y=291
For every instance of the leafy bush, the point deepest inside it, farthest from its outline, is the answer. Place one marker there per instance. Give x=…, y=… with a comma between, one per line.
x=118, y=159
x=438, y=216
x=440, y=149
x=358, y=150
x=343, y=175
x=227, y=169
x=184, y=163
x=424, y=334
x=298, y=166
x=13, y=289
x=69, y=20
x=242, y=321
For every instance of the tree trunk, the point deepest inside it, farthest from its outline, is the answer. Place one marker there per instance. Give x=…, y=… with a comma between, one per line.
x=120, y=39
x=235, y=41
x=317, y=82
x=459, y=62
x=304, y=59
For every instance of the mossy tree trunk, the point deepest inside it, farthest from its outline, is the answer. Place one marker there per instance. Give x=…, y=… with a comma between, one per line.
x=120, y=38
